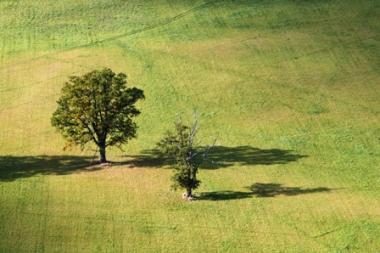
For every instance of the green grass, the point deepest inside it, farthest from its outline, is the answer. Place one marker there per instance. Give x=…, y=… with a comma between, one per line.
x=290, y=88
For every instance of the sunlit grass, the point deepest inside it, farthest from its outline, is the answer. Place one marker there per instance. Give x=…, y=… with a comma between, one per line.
x=289, y=89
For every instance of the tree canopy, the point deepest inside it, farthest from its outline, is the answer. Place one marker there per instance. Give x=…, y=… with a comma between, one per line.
x=97, y=107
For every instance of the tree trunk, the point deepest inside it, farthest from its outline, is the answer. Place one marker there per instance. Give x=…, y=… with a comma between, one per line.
x=102, y=151
x=189, y=193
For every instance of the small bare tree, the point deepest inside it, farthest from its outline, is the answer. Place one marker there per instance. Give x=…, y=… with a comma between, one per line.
x=180, y=145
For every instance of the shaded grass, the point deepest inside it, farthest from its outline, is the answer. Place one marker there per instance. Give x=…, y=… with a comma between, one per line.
x=220, y=157
x=261, y=190
x=15, y=167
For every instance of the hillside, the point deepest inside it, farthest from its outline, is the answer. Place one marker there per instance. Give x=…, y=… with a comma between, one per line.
x=289, y=88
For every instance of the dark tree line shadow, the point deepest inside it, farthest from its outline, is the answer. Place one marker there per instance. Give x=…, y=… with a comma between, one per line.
x=15, y=167
x=261, y=190
x=221, y=157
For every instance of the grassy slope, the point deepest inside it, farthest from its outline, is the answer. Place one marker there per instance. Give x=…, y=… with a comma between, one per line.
x=289, y=75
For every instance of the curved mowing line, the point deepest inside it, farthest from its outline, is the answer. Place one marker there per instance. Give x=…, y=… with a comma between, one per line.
x=127, y=34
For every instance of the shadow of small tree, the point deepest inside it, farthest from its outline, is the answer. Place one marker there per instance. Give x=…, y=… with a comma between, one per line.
x=221, y=157
x=271, y=190
x=15, y=167
x=261, y=190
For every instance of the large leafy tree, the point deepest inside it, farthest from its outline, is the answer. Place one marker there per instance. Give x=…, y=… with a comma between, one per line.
x=97, y=107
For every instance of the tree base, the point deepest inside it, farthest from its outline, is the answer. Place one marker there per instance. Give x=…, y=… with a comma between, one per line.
x=101, y=164
x=187, y=197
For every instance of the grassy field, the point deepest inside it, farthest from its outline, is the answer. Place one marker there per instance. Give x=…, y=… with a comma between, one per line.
x=290, y=88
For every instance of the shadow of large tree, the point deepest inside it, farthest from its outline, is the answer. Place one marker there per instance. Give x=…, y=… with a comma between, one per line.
x=261, y=190
x=221, y=157
x=15, y=167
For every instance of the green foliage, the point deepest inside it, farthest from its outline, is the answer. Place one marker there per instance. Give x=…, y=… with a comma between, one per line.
x=180, y=146
x=97, y=107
